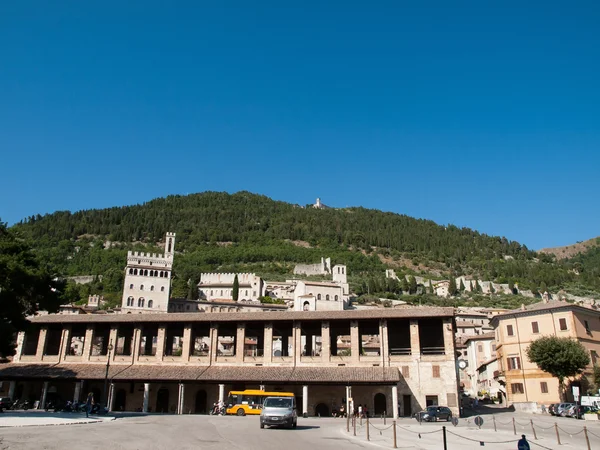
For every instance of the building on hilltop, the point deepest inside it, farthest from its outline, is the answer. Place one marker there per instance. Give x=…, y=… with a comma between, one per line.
x=148, y=279
x=526, y=383
x=219, y=286
x=322, y=268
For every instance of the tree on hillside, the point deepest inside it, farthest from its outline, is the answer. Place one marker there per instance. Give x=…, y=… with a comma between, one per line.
x=492, y=290
x=543, y=287
x=452, y=287
x=560, y=357
x=511, y=286
x=412, y=284
x=25, y=287
x=471, y=286
x=462, y=286
x=430, y=287
x=478, y=286
x=405, y=287
x=236, y=289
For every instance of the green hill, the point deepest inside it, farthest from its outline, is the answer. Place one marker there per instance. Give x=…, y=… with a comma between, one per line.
x=245, y=231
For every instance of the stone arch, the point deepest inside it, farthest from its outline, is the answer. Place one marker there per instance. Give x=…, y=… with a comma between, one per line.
x=318, y=296
x=162, y=400
x=327, y=297
x=322, y=410
x=200, y=403
x=306, y=306
x=150, y=303
x=379, y=404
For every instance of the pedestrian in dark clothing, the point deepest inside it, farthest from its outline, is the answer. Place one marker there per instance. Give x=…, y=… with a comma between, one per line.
x=89, y=402
x=523, y=444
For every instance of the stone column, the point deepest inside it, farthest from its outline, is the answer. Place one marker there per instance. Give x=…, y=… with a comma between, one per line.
x=384, y=342
x=65, y=343
x=111, y=397
x=114, y=333
x=137, y=341
x=77, y=393
x=305, y=401
x=181, y=400
x=415, y=343
x=354, y=341
x=146, y=397
x=214, y=342
x=325, y=342
x=44, y=394
x=268, y=352
x=187, y=343
x=448, y=339
x=87, y=343
x=297, y=342
x=160, y=343
x=395, y=400
x=11, y=389
x=221, y=392
x=20, y=343
x=41, y=347
x=348, y=397
x=239, y=342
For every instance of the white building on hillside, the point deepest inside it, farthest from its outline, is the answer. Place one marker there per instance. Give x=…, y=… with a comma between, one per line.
x=148, y=279
x=219, y=286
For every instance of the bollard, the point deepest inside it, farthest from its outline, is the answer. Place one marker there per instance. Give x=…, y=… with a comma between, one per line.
x=354, y=424
x=368, y=438
x=348, y=423
x=396, y=445
x=384, y=418
x=587, y=439
x=360, y=421
x=533, y=429
x=494, y=419
x=557, y=435
x=514, y=426
x=444, y=434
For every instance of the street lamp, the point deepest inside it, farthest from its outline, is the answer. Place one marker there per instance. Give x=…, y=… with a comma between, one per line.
x=109, y=348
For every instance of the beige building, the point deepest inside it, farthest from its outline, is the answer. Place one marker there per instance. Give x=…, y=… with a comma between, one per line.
x=515, y=330
x=480, y=349
x=219, y=286
x=318, y=296
x=148, y=279
x=182, y=363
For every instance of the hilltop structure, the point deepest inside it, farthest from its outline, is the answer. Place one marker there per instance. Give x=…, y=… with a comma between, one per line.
x=148, y=279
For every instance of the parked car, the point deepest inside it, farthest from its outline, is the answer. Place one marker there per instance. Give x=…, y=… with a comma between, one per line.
x=5, y=403
x=562, y=408
x=433, y=414
x=552, y=409
x=572, y=411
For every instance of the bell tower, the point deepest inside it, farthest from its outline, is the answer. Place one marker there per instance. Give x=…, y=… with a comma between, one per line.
x=170, y=245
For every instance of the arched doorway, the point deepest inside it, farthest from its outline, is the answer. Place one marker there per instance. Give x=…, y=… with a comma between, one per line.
x=162, y=400
x=200, y=402
x=379, y=404
x=322, y=410
x=120, y=400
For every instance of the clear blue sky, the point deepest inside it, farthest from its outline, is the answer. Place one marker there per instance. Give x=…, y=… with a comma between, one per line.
x=481, y=114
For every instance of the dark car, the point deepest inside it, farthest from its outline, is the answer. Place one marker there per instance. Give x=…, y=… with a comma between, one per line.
x=5, y=403
x=433, y=414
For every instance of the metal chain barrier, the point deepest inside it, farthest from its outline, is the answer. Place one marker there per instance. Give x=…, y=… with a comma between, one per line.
x=479, y=440
x=593, y=434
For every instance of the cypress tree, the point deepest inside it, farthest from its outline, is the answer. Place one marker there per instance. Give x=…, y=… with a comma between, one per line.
x=412, y=284
x=430, y=287
x=405, y=287
x=452, y=287
x=462, y=286
x=236, y=288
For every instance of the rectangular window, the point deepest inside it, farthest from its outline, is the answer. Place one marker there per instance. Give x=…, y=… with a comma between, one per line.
x=493, y=347
x=436, y=371
x=480, y=348
x=535, y=327
x=405, y=372
x=517, y=388
x=544, y=387
x=562, y=324
x=509, y=330
x=514, y=363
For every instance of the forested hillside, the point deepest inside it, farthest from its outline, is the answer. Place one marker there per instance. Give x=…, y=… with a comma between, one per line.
x=244, y=231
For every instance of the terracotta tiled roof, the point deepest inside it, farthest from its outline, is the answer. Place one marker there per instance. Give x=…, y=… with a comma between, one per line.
x=539, y=307
x=203, y=373
x=481, y=337
x=379, y=313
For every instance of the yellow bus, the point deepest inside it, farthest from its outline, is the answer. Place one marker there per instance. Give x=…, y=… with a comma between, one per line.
x=250, y=401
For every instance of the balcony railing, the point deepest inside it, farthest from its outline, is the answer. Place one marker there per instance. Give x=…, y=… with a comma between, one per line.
x=400, y=351
x=433, y=351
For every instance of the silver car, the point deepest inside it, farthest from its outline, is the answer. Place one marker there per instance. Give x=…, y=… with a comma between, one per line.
x=279, y=411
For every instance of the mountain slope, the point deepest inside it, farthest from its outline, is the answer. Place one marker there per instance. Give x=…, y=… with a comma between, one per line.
x=569, y=251
x=258, y=231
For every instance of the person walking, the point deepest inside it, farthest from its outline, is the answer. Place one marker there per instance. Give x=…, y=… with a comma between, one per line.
x=523, y=444
x=89, y=402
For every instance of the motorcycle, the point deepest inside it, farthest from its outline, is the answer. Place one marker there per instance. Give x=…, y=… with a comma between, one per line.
x=216, y=411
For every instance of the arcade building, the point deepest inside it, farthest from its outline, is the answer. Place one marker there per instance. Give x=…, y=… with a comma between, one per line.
x=394, y=361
